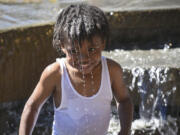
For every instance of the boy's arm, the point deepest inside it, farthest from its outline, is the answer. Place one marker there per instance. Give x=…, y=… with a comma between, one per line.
x=120, y=92
x=125, y=111
x=42, y=91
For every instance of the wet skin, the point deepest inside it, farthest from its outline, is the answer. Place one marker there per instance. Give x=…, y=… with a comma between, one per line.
x=85, y=57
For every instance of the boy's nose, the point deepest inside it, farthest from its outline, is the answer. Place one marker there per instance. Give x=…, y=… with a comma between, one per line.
x=84, y=55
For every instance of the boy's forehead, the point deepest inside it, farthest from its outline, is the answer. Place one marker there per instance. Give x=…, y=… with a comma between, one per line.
x=95, y=42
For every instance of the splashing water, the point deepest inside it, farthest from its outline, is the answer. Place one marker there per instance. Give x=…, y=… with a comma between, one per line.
x=154, y=101
x=153, y=80
x=167, y=46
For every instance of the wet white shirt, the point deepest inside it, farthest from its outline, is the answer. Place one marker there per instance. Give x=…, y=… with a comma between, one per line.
x=80, y=115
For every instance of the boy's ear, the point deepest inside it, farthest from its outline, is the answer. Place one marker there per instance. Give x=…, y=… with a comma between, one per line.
x=63, y=48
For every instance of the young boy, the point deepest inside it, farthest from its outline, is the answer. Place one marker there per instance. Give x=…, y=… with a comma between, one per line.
x=84, y=82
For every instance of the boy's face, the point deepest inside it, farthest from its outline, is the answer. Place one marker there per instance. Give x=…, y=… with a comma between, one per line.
x=86, y=57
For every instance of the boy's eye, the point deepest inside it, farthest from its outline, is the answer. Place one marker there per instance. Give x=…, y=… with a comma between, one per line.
x=73, y=51
x=92, y=49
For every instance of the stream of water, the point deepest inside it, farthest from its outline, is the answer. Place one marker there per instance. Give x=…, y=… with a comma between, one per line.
x=156, y=82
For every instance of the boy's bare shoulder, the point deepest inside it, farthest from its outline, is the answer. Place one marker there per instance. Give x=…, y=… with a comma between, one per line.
x=52, y=71
x=115, y=69
x=113, y=65
x=53, y=68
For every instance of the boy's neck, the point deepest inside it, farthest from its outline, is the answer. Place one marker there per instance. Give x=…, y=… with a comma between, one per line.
x=87, y=85
x=76, y=73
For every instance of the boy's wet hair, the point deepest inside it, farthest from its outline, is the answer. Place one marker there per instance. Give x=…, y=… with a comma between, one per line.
x=80, y=22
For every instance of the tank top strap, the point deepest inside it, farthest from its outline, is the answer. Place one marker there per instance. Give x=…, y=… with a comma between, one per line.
x=61, y=63
x=64, y=100
x=106, y=77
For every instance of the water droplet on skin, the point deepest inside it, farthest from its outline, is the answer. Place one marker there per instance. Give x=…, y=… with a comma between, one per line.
x=84, y=85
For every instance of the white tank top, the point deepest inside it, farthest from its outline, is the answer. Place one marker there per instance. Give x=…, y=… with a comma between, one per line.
x=80, y=115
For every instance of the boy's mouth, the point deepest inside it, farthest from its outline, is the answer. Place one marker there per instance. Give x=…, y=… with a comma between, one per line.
x=85, y=66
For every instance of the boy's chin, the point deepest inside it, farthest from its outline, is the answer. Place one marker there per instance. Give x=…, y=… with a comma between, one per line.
x=87, y=70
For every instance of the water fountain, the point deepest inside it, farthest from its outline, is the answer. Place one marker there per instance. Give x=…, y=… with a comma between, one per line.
x=154, y=89
x=152, y=76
